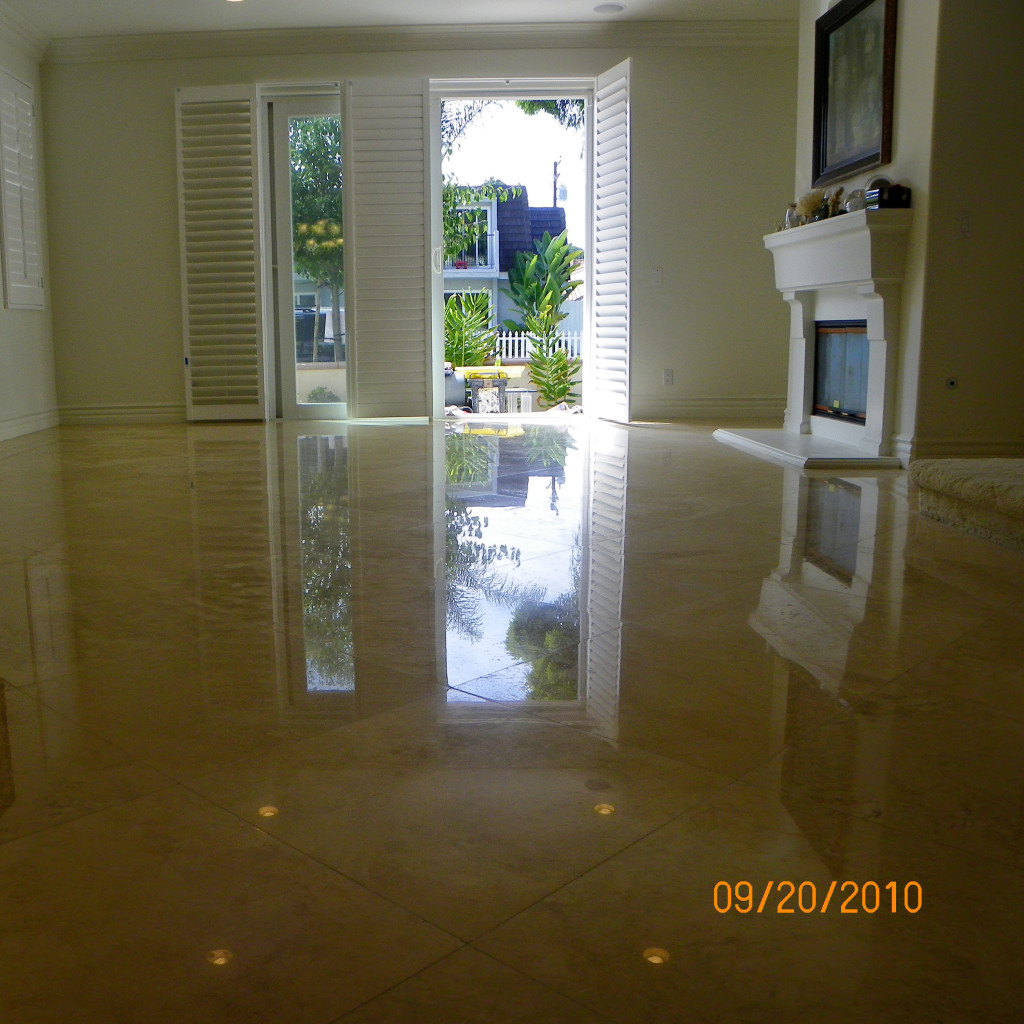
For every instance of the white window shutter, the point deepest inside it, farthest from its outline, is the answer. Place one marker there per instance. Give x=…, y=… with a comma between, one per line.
x=222, y=304
x=387, y=224
x=608, y=383
x=22, y=246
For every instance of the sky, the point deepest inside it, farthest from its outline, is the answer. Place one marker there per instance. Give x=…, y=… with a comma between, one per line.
x=520, y=149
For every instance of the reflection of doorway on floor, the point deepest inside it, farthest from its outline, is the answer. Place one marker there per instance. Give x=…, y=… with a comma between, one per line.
x=514, y=182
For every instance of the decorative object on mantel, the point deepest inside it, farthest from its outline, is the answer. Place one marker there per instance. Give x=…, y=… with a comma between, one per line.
x=856, y=201
x=887, y=197
x=854, y=70
x=818, y=204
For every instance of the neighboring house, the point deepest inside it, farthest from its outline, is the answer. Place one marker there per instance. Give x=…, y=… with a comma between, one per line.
x=512, y=226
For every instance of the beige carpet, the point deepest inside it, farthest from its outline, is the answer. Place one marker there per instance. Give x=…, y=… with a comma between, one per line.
x=982, y=496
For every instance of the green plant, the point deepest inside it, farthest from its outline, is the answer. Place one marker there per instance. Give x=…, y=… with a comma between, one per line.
x=539, y=285
x=469, y=337
x=322, y=394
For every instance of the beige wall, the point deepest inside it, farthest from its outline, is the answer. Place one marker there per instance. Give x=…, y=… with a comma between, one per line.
x=28, y=398
x=972, y=320
x=713, y=139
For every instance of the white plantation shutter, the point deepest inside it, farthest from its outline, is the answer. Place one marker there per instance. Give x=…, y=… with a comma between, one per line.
x=22, y=248
x=387, y=221
x=220, y=253
x=605, y=556
x=608, y=383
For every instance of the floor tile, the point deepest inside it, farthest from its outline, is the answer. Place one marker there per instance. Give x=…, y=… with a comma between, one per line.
x=463, y=818
x=953, y=957
x=113, y=917
x=469, y=986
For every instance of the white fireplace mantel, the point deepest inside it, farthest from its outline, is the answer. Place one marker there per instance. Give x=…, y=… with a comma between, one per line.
x=848, y=267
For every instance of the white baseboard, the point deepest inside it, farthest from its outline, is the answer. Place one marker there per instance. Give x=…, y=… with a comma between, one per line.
x=79, y=415
x=28, y=424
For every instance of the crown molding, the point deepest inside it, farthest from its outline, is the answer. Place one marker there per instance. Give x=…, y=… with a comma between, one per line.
x=588, y=35
x=22, y=33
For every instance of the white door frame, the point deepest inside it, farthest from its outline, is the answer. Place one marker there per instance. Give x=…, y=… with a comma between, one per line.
x=507, y=89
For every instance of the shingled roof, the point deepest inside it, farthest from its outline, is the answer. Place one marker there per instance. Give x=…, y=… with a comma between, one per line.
x=519, y=224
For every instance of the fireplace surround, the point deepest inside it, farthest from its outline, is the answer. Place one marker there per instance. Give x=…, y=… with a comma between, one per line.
x=844, y=268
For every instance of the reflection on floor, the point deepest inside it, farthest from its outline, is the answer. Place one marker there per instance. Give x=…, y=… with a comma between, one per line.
x=389, y=724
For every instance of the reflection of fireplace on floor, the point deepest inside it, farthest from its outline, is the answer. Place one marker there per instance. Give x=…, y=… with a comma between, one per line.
x=841, y=369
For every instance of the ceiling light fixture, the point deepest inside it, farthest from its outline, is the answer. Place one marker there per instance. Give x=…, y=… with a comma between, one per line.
x=609, y=8
x=220, y=957
x=655, y=955
x=604, y=809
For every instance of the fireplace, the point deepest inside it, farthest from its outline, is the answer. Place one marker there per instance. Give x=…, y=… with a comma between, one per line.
x=837, y=271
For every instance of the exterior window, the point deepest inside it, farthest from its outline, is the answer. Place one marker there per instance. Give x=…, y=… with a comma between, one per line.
x=22, y=252
x=477, y=238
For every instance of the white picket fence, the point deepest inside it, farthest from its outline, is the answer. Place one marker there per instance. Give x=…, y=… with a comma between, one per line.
x=514, y=346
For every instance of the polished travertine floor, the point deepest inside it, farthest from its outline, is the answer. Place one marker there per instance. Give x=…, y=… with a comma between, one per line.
x=225, y=725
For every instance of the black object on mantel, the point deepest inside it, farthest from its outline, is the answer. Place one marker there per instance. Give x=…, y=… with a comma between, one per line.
x=887, y=197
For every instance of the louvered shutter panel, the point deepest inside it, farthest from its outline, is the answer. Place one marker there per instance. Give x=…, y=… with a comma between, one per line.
x=220, y=253
x=605, y=556
x=22, y=249
x=608, y=384
x=387, y=235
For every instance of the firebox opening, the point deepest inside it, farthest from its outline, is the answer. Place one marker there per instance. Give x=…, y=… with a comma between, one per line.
x=841, y=369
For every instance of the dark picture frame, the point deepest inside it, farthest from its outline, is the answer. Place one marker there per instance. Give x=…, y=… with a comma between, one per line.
x=854, y=72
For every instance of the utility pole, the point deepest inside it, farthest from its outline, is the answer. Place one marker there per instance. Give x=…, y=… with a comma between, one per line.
x=554, y=184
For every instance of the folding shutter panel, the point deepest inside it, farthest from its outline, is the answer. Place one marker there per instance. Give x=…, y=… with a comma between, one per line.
x=608, y=384
x=387, y=238
x=605, y=556
x=220, y=253
x=22, y=251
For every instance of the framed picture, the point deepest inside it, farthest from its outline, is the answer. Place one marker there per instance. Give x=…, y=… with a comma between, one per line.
x=854, y=68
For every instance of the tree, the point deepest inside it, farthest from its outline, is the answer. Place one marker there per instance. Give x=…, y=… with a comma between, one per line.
x=456, y=117
x=568, y=113
x=318, y=239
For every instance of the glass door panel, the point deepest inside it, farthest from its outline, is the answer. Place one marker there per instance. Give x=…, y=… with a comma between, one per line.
x=309, y=249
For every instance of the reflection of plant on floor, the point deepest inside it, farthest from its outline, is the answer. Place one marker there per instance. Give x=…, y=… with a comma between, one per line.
x=547, y=635
x=539, y=283
x=467, y=458
x=546, y=447
x=469, y=337
x=327, y=573
x=473, y=571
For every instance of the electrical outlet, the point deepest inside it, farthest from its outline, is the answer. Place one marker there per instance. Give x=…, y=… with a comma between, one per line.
x=668, y=376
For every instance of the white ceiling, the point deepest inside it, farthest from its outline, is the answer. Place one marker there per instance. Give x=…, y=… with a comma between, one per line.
x=74, y=18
